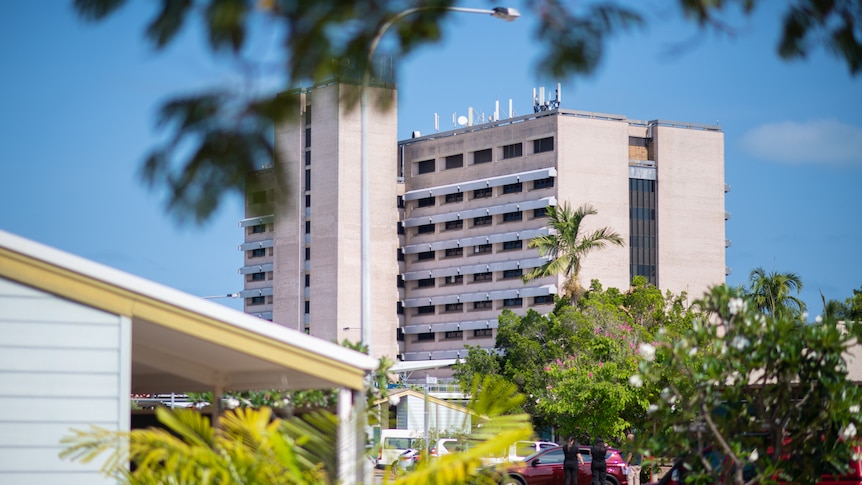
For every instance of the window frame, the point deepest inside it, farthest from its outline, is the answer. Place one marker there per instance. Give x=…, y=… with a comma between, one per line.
x=514, y=150
x=425, y=166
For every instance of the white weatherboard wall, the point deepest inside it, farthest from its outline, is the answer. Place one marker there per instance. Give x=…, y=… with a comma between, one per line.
x=411, y=415
x=63, y=365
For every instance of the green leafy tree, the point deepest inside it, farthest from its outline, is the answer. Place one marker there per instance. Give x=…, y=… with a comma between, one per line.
x=772, y=293
x=218, y=135
x=248, y=447
x=575, y=363
x=589, y=391
x=567, y=245
x=251, y=446
x=854, y=306
x=767, y=393
x=478, y=362
x=849, y=309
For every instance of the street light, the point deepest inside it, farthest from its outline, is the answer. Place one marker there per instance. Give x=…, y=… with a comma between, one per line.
x=502, y=13
x=213, y=297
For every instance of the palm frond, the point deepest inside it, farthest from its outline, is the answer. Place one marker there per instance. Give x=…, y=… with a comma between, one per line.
x=499, y=423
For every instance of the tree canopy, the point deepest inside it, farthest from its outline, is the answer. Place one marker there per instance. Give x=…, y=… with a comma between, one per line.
x=773, y=292
x=217, y=136
x=574, y=364
x=753, y=388
x=251, y=446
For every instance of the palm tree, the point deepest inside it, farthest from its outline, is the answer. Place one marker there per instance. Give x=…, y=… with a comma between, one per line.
x=251, y=446
x=771, y=293
x=567, y=247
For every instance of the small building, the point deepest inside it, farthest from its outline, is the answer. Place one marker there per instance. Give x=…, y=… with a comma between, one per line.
x=444, y=418
x=77, y=339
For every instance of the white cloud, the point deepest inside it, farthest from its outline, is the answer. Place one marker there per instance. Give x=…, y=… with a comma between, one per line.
x=826, y=141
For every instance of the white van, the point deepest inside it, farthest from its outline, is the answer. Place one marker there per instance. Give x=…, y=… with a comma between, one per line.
x=519, y=451
x=394, y=442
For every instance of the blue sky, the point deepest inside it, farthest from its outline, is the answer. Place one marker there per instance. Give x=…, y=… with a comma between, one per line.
x=78, y=101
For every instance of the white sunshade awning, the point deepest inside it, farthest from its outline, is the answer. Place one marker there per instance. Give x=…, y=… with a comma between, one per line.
x=476, y=240
x=256, y=292
x=481, y=183
x=263, y=243
x=255, y=221
x=421, y=365
x=481, y=212
x=258, y=268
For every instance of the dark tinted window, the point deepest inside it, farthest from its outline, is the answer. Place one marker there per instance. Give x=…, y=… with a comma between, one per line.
x=511, y=216
x=456, y=197
x=426, y=166
x=543, y=183
x=454, y=161
x=425, y=202
x=513, y=188
x=482, y=156
x=514, y=150
x=543, y=145
x=482, y=193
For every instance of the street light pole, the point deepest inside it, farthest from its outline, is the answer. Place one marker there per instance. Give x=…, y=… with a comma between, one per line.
x=502, y=13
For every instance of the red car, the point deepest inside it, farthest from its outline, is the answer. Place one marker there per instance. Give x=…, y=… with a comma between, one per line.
x=546, y=467
x=853, y=476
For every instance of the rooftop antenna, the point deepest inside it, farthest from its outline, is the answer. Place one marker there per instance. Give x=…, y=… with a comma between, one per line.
x=497, y=110
x=470, y=116
x=436, y=122
x=540, y=104
x=511, y=110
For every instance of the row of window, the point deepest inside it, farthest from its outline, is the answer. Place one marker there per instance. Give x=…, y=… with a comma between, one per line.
x=307, y=181
x=459, y=279
x=258, y=300
x=258, y=229
x=456, y=334
x=260, y=276
x=478, y=305
x=506, y=152
x=459, y=252
x=453, y=335
x=259, y=252
x=483, y=193
x=488, y=220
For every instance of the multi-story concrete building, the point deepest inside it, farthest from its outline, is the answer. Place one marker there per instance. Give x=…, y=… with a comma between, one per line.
x=454, y=212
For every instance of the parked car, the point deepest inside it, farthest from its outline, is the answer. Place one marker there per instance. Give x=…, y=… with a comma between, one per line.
x=545, y=467
x=516, y=452
x=853, y=476
x=393, y=443
x=446, y=446
x=409, y=459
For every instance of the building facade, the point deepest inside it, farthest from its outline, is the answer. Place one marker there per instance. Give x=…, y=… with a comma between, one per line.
x=454, y=212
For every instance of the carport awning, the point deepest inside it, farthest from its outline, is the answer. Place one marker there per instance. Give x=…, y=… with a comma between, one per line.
x=182, y=343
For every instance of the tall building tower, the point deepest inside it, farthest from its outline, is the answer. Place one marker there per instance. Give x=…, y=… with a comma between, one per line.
x=454, y=212
x=302, y=266
x=475, y=197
